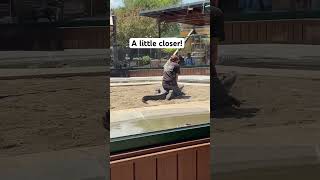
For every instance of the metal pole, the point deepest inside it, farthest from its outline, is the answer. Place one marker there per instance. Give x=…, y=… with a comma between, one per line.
x=159, y=35
x=150, y=56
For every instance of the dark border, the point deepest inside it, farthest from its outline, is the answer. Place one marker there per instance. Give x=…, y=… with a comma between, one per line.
x=158, y=138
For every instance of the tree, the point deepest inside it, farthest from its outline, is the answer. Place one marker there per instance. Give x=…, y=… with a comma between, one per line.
x=149, y=4
x=131, y=25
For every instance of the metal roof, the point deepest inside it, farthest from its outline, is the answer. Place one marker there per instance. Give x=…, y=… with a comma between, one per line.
x=197, y=13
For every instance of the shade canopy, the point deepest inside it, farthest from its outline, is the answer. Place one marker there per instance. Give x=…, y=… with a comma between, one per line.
x=197, y=13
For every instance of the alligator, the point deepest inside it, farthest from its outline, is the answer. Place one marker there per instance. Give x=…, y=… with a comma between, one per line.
x=220, y=91
x=162, y=94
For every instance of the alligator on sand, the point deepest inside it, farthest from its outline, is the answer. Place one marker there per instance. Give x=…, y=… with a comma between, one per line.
x=162, y=94
x=220, y=91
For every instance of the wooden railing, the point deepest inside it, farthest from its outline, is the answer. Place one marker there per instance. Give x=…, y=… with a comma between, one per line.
x=49, y=37
x=303, y=31
x=185, y=161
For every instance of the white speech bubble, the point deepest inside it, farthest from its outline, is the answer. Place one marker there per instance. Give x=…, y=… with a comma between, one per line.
x=156, y=43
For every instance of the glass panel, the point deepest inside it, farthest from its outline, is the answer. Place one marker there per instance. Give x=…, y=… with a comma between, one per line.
x=157, y=138
x=139, y=103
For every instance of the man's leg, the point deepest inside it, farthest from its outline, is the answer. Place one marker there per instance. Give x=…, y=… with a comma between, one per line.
x=165, y=86
x=170, y=95
x=181, y=86
x=163, y=90
x=177, y=90
x=173, y=89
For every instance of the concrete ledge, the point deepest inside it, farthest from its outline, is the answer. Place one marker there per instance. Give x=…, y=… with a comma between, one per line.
x=9, y=56
x=185, y=79
x=162, y=111
x=270, y=72
x=11, y=74
x=155, y=82
x=72, y=164
x=159, y=71
x=238, y=158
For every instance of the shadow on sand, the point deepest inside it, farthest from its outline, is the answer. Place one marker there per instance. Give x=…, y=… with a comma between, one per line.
x=183, y=97
x=232, y=112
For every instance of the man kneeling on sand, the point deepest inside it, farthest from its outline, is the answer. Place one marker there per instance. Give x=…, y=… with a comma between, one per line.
x=170, y=77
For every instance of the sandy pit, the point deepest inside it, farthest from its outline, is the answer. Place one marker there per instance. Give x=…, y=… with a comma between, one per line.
x=40, y=115
x=276, y=110
x=126, y=97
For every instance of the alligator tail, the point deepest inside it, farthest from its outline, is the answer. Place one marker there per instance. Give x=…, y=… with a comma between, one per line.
x=145, y=99
x=153, y=97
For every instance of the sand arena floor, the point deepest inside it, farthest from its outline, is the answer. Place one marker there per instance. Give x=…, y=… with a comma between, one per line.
x=127, y=97
x=40, y=115
x=276, y=110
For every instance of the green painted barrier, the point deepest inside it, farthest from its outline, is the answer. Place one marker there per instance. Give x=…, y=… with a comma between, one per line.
x=159, y=138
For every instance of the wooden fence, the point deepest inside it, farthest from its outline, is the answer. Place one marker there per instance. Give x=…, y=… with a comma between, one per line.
x=191, y=162
x=85, y=37
x=304, y=31
x=49, y=37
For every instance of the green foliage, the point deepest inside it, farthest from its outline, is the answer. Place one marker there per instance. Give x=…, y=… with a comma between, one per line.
x=170, y=29
x=169, y=51
x=131, y=25
x=149, y=4
x=145, y=60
